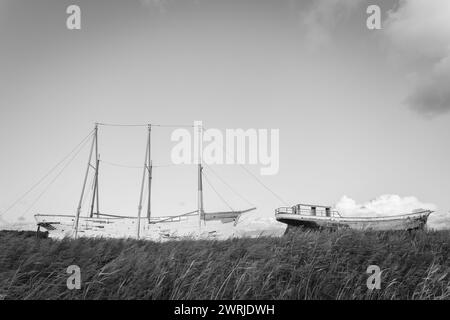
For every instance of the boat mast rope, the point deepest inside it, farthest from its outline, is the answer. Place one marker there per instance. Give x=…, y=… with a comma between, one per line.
x=40, y=181
x=216, y=192
x=145, y=125
x=209, y=168
x=135, y=166
x=47, y=187
x=258, y=180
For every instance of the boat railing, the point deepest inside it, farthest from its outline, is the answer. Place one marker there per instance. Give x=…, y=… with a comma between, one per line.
x=320, y=211
x=181, y=217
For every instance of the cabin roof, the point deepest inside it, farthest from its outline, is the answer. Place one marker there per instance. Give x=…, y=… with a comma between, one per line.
x=312, y=205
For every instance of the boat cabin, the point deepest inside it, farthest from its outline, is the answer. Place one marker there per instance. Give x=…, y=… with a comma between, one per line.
x=312, y=210
x=309, y=210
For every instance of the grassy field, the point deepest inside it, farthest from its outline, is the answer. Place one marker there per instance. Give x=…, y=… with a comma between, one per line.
x=308, y=265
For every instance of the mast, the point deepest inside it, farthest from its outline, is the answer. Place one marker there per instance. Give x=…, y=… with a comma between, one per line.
x=97, y=162
x=147, y=151
x=95, y=193
x=200, y=182
x=149, y=168
x=96, y=184
x=77, y=218
x=149, y=208
x=200, y=195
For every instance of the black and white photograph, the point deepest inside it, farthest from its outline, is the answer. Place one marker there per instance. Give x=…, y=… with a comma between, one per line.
x=224, y=156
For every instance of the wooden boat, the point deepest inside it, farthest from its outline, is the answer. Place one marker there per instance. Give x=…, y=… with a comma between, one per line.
x=324, y=217
x=194, y=224
x=213, y=225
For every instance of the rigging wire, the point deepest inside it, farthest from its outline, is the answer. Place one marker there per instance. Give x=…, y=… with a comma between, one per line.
x=229, y=186
x=121, y=125
x=193, y=126
x=34, y=186
x=135, y=167
x=257, y=179
x=55, y=178
x=173, y=125
x=120, y=165
x=144, y=125
x=263, y=185
x=217, y=193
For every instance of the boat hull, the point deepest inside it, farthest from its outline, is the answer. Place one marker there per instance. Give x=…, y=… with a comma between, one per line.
x=61, y=226
x=411, y=221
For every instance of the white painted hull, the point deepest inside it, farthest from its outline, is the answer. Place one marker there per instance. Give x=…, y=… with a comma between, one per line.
x=410, y=221
x=60, y=226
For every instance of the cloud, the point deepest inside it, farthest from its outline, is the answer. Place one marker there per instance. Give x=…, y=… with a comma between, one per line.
x=432, y=92
x=419, y=35
x=322, y=17
x=439, y=220
x=388, y=205
x=384, y=205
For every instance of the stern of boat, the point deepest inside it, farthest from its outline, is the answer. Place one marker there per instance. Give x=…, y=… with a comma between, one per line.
x=57, y=226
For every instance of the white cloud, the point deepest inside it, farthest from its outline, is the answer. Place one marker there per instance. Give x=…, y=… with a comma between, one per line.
x=387, y=205
x=382, y=206
x=419, y=34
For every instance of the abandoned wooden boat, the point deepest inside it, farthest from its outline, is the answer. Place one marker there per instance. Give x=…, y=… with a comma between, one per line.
x=325, y=217
x=194, y=224
x=213, y=225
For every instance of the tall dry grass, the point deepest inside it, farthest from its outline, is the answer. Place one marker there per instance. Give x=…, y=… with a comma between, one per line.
x=307, y=265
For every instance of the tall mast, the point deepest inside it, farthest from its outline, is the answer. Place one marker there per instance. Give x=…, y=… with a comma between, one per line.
x=95, y=193
x=77, y=218
x=97, y=161
x=149, y=168
x=200, y=194
x=96, y=185
x=200, y=183
x=147, y=151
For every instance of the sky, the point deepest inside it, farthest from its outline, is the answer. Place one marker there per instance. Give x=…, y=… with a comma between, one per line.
x=361, y=113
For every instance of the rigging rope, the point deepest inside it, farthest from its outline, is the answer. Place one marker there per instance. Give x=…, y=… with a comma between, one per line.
x=145, y=125
x=55, y=178
x=217, y=193
x=45, y=176
x=256, y=178
x=262, y=184
x=229, y=186
x=120, y=165
x=135, y=167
